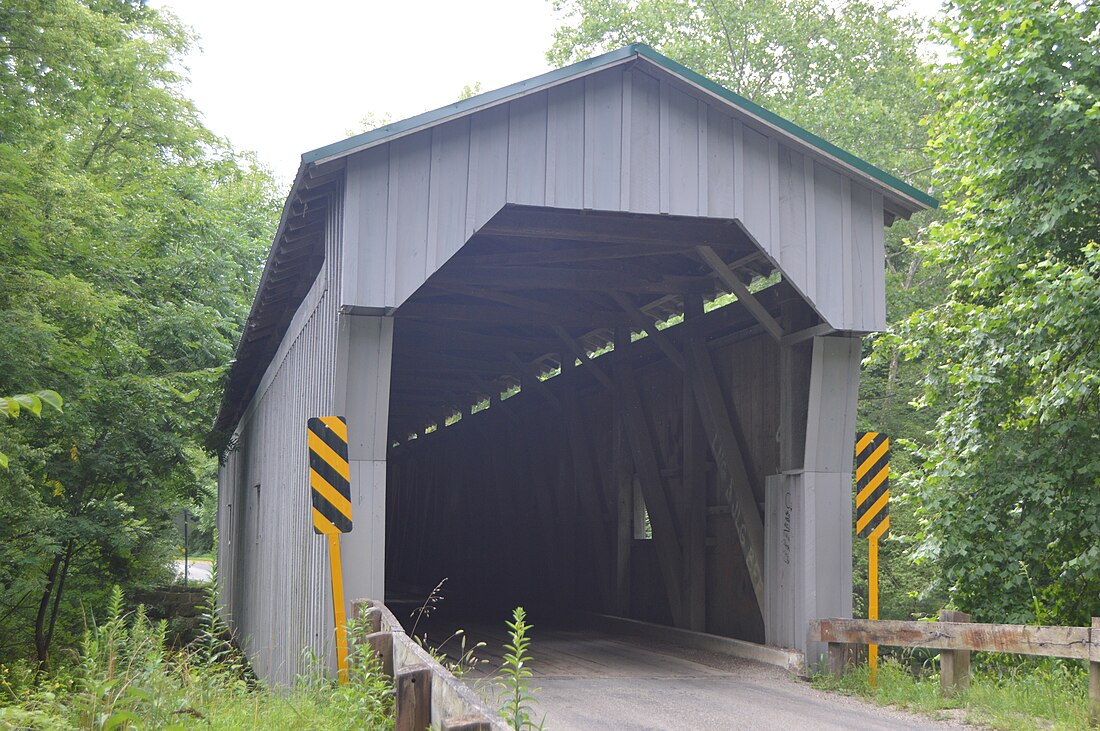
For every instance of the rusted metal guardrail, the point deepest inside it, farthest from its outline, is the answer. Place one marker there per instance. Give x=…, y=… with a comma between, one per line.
x=957, y=637
x=427, y=694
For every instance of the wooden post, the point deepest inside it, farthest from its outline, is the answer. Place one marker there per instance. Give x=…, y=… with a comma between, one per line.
x=954, y=664
x=840, y=657
x=373, y=619
x=694, y=497
x=1094, y=672
x=413, y=687
x=381, y=645
x=623, y=481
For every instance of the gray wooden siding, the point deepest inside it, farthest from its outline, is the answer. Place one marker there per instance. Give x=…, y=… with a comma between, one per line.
x=618, y=140
x=273, y=569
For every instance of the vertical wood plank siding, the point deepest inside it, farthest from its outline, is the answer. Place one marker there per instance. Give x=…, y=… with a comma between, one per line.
x=272, y=567
x=618, y=140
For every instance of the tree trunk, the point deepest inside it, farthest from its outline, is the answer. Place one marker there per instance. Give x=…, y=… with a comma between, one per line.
x=69, y=550
x=41, y=645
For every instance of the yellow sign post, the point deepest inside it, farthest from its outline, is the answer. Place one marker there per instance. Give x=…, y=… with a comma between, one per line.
x=872, y=516
x=330, y=490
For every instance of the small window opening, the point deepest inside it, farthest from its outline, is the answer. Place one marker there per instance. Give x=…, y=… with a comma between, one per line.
x=643, y=530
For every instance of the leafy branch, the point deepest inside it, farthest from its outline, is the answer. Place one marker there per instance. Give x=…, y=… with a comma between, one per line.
x=11, y=406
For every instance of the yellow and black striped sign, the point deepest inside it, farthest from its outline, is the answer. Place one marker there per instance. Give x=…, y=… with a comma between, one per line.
x=873, y=485
x=329, y=474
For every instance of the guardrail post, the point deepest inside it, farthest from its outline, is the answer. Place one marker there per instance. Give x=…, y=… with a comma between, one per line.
x=358, y=606
x=954, y=664
x=413, y=687
x=1094, y=672
x=381, y=645
x=841, y=657
x=373, y=619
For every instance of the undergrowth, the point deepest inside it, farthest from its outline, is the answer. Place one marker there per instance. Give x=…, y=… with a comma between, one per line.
x=1009, y=693
x=124, y=676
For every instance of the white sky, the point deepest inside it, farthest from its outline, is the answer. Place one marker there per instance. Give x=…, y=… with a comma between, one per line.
x=281, y=78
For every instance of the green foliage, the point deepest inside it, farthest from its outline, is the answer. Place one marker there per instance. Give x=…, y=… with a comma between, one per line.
x=125, y=678
x=1011, y=474
x=10, y=406
x=130, y=242
x=516, y=697
x=1012, y=694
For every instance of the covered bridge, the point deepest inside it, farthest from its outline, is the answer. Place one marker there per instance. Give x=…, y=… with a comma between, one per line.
x=597, y=338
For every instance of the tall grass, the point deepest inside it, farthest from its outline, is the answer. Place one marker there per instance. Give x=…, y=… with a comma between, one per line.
x=1005, y=692
x=125, y=677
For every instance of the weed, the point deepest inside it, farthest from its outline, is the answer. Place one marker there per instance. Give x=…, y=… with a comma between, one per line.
x=426, y=609
x=516, y=697
x=464, y=662
x=467, y=658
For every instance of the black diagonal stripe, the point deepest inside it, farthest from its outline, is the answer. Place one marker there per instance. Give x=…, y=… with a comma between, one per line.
x=870, y=527
x=876, y=442
x=869, y=475
x=332, y=477
x=863, y=457
x=867, y=504
x=329, y=437
x=332, y=515
x=868, y=478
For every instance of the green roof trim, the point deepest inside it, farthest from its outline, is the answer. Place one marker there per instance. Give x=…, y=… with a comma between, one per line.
x=473, y=103
x=639, y=50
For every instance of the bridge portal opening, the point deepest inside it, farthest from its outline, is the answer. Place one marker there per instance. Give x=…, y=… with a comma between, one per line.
x=584, y=415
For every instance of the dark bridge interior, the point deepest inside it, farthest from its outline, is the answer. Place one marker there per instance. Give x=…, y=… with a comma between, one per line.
x=554, y=394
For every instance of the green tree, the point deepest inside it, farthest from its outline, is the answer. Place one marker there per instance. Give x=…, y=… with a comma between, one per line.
x=131, y=239
x=1009, y=484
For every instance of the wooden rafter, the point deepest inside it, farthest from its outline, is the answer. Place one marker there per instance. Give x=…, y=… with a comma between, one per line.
x=582, y=355
x=645, y=323
x=738, y=288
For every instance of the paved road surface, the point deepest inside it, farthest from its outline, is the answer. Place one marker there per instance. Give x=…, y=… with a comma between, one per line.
x=595, y=682
x=198, y=570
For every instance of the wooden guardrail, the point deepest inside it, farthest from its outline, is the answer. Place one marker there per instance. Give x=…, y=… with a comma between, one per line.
x=427, y=694
x=957, y=637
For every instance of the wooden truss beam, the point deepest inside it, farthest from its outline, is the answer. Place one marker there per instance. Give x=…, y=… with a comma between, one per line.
x=665, y=532
x=642, y=321
x=558, y=254
x=590, y=491
x=579, y=351
x=736, y=286
x=670, y=232
x=733, y=476
x=573, y=280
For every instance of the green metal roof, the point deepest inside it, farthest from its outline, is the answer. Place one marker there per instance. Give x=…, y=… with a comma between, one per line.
x=636, y=50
